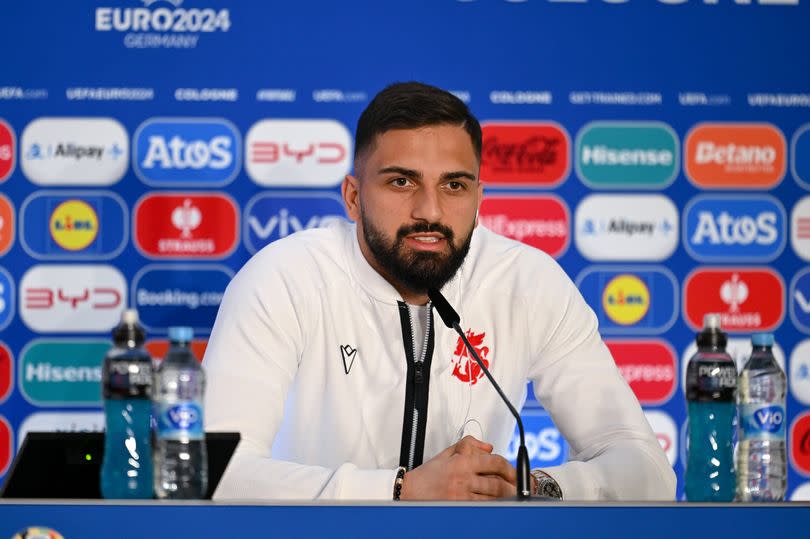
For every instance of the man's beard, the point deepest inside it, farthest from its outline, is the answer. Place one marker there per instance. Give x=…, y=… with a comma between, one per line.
x=417, y=271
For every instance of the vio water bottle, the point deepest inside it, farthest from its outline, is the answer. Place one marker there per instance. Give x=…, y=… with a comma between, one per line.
x=126, y=470
x=711, y=381
x=181, y=465
x=761, y=470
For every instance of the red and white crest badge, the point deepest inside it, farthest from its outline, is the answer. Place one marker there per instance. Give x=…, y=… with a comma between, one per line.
x=464, y=366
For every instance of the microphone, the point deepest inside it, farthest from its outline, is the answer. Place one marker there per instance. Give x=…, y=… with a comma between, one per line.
x=451, y=319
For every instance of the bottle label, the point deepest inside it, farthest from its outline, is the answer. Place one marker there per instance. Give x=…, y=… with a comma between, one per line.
x=711, y=380
x=127, y=378
x=180, y=420
x=763, y=422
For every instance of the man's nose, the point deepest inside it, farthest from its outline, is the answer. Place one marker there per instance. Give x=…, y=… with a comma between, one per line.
x=427, y=206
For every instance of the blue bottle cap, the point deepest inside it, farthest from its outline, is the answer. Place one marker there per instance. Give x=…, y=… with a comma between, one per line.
x=181, y=334
x=762, y=339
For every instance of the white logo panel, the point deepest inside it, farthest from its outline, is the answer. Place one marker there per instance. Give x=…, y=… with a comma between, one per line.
x=739, y=348
x=665, y=431
x=626, y=227
x=309, y=153
x=801, y=494
x=74, y=151
x=72, y=298
x=799, y=383
x=800, y=228
x=61, y=422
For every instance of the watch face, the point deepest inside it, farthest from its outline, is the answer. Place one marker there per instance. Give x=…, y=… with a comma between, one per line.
x=550, y=489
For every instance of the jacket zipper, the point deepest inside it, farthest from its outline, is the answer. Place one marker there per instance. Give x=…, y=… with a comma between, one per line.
x=418, y=380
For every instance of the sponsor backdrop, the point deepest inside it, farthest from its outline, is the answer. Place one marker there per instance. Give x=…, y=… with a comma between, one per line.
x=149, y=147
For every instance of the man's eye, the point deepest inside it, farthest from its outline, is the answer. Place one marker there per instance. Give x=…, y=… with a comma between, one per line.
x=401, y=182
x=455, y=186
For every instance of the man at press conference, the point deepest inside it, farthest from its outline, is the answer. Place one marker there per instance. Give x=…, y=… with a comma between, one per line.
x=329, y=359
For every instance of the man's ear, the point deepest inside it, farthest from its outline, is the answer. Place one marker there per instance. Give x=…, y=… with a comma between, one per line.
x=350, y=190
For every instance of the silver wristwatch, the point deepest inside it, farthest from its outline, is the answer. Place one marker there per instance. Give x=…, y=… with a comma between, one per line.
x=546, y=486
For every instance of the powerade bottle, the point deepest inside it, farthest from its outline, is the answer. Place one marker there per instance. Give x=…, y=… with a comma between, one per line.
x=761, y=470
x=126, y=470
x=181, y=463
x=711, y=381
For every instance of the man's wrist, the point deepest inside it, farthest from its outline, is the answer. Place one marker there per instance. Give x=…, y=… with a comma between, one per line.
x=399, y=483
x=545, y=485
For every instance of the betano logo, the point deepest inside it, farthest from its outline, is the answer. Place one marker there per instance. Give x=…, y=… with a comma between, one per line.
x=62, y=372
x=633, y=155
x=525, y=154
x=735, y=155
x=541, y=221
x=626, y=299
x=74, y=225
x=8, y=150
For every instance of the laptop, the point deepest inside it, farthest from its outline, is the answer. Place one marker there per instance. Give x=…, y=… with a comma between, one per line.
x=68, y=464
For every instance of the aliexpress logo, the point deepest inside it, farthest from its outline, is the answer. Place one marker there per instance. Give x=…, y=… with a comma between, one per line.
x=542, y=221
x=735, y=155
x=648, y=366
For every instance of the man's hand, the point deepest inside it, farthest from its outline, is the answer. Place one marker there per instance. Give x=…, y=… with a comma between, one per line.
x=466, y=470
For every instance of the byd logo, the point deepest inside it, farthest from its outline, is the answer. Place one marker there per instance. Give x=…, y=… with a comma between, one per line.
x=542, y=222
x=524, y=154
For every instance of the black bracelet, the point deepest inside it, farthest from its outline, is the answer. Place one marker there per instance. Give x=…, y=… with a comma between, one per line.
x=398, y=482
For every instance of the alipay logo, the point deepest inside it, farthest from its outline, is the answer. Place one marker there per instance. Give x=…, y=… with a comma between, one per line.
x=735, y=228
x=272, y=216
x=183, y=152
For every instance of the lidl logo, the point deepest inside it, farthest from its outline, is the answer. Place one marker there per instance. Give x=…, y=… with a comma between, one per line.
x=544, y=443
x=8, y=149
x=800, y=155
x=524, y=154
x=298, y=153
x=626, y=299
x=6, y=298
x=626, y=227
x=800, y=372
x=272, y=216
x=800, y=443
x=186, y=225
x=77, y=298
x=633, y=155
x=735, y=155
x=75, y=225
x=157, y=348
x=61, y=422
x=648, y=366
x=62, y=372
x=800, y=228
x=179, y=294
x=665, y=432
x=74, y=151
x=186, y=152
x=541, y=221
x=748, y=299
x=6, y=225
x=6, y=372
x=720, y=228
x=800, y=300
x=6, y=445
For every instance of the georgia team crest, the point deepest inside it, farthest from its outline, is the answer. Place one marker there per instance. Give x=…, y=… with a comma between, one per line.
x=465, y=367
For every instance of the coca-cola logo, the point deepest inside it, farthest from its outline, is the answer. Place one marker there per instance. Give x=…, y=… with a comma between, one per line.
x=524, y=154
x=533, y=154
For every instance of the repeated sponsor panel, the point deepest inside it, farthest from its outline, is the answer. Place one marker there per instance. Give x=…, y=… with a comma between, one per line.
x=544, y=443
x=8, y=150
x=799, y=376
x=60, y=422
x=62, y=372
x=799, y=440
x=665, y=430
x=7, y=224
x=800, y=156
x=6, y=298
x=6, y=444
x=648, y=366
x=542, y=221
x=524, y=154
x=800, y=228
x=6, y=372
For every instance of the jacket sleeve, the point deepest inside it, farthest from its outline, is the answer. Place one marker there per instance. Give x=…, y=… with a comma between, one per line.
x=250, y=362
x=614, y=453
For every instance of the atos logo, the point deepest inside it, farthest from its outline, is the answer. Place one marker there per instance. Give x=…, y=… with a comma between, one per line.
x=735, y=156
x=6, y=225
x=631, y=299
x=800, y=443
x=738, y=228
x=6, y=298
x=309, y=153
x=6, y=372
x=748, y=299
x=186, y=152
x=61, y=225
x=800, y=300
x=6, y=445
x=272, y=216
x=186, y=225
x=544, y=443
x=525, y=154
x=648, y=366
x=168, y=295
x=541, y=221
x=8, y=149
x=799, y=152
x=72, y=298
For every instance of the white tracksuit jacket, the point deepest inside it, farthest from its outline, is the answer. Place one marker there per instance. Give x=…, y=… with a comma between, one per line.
x=310, y=359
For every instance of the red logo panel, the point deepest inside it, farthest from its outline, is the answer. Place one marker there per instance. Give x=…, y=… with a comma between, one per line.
x=748, y=299
x=186, y=225
x=525, y=154
x=7, y=150
x=800, y=443
x=648, y=366
x=543, y=222
x=157, y=348
x=6, y=372
x=6, y=445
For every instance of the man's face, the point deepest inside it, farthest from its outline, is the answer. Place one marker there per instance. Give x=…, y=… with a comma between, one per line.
x=415, y=200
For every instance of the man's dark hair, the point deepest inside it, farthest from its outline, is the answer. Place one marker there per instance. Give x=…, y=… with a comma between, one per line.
x=410, y=105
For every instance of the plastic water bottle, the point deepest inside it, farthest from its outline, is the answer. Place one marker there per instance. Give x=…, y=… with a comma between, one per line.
x=181, y=463
x=711, y=381
x=761, y=470
x=126, y=470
